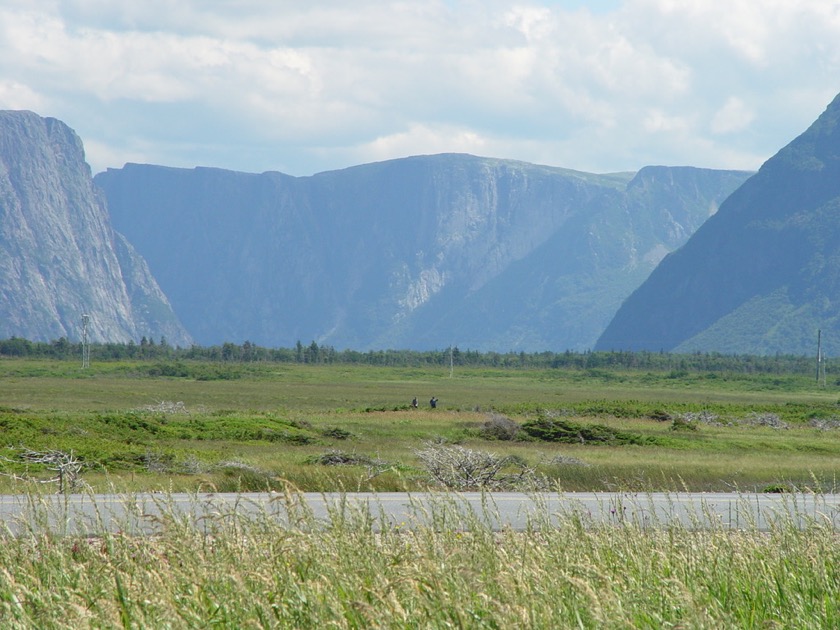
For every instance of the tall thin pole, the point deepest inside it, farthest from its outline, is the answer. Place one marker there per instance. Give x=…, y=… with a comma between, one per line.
x=819, y=354
x=85, y=342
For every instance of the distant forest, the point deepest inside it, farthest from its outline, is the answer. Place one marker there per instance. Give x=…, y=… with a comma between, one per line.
x=248, y=352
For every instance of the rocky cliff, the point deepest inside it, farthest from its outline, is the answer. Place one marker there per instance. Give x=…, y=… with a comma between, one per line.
x=763, y=275
x=419, y=253
x=59, y=256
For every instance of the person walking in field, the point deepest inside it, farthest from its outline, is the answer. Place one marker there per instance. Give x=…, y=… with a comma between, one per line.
x=433, y=402
x=414, y=402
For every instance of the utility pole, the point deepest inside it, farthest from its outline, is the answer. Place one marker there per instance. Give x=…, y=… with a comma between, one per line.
x=819, y=354
x=85, y=342
x=820, y=360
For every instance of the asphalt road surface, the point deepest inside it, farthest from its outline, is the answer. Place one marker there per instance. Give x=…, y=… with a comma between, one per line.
x=86, y=514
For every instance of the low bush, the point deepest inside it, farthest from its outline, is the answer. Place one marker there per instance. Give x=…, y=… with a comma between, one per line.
x=240, y=477
x=336, y=433
x=778, y=488
x=460, y=468
x=567, y=460
x=336, y=457
x=681, y=423
x=499, y=427
x=766, y=420
x=568, y=432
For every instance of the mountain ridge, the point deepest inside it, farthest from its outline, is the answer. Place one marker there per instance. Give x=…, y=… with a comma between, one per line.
x=412, y=253
x=760, y=276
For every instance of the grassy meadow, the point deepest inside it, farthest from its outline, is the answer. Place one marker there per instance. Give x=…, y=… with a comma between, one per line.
x=257, y=426
x=136, y=426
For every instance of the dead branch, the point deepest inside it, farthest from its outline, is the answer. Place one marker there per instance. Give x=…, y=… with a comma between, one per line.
x=66, y=466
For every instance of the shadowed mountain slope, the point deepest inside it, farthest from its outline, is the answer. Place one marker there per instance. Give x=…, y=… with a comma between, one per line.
x=417, y=253
x=763, y=275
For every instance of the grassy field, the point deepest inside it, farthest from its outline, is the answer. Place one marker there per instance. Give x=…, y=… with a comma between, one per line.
x=141, y=426
x=340, y=427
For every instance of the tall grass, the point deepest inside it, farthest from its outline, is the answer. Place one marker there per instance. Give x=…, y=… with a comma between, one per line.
x=357, y=573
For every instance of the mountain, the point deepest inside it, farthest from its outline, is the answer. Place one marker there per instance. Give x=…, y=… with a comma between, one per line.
x=418, y=253
x=59, y=256
x=763, y=275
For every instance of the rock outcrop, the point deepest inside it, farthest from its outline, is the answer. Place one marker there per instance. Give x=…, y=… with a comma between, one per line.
x=59, y=256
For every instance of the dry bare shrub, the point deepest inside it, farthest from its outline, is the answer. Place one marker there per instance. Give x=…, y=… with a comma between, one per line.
x=766, y=420
x=567, y=460
x=191, y=465
x=824, y=424
x=499, y=427
x=337, y=457
x=166, y=407
x=704, y=417
x=157, y=462
x=233, y=465
x=66, y=466
x=460, y=468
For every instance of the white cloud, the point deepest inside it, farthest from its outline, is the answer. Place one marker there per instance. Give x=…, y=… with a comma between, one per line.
x=102, y=153
x=657, y=121
x=309, y=86
x=734, y=116
x=422, y=139
x=15, y=95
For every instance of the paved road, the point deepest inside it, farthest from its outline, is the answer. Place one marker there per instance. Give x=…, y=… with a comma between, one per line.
x=149, y=513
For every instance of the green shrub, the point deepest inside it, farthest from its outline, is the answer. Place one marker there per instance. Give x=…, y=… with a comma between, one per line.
x=679, y=423
x=336, y=433
x=565, y=431
x=778, y=488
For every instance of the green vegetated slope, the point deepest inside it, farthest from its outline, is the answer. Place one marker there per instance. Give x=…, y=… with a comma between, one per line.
x=761, y=276
x=331, y=427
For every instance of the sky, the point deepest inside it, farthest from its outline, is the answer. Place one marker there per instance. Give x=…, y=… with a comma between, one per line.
x=308, y=86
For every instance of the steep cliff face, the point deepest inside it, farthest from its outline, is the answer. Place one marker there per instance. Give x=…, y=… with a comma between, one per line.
x=59, y=257
x=421, y=252
x=423, y=237
x=763, y=275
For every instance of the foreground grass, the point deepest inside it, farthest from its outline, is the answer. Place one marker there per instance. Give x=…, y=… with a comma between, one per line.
x=352, y=575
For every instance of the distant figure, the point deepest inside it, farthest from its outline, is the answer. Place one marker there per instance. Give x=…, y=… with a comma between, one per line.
x=433, y=402
x=414, y=402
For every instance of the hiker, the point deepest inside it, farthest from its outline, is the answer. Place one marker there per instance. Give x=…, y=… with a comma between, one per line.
x=414, y=402
x=433, y=402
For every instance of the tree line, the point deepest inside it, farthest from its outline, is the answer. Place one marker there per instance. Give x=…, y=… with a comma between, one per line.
x=313, y=353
